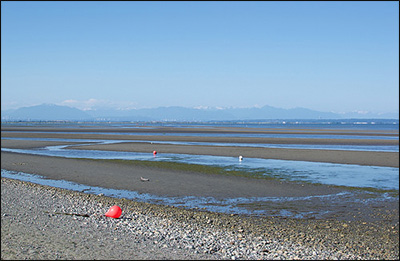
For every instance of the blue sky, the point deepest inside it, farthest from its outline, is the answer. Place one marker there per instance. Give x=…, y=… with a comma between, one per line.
x=327, y=56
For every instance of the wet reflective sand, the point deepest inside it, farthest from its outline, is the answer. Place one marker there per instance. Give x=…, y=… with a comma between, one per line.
x=195, y=189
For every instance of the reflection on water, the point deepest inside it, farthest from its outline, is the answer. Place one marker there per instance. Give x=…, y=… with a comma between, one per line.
x=296, y=207
x=388, y=148
x=315, y=135
x=386, y=178
x=324, y=206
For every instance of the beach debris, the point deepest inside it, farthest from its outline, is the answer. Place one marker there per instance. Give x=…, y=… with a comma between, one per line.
x=154, y=152
x=144, y=179
x=114, y=212
x=240, y=158
x=70, y=214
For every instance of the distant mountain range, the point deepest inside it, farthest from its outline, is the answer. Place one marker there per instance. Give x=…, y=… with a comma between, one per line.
x=55, y=112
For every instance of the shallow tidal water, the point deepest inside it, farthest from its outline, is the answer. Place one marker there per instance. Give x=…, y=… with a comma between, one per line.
x=309, y=207
x=362, y=181
x=385, y=178
x=388, y=148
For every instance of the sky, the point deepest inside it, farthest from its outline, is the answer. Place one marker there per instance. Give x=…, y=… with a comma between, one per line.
x=329, y=56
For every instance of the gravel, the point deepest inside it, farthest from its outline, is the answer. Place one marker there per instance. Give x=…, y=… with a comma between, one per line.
x=40, y=222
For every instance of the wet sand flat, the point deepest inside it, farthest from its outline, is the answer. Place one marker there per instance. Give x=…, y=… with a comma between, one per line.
x=171, y=182
x=352, y=231
x=161, y=137
x=163, y=182
x=124, y=175
x=183, y=183
x=369, y=158
x=372, y=158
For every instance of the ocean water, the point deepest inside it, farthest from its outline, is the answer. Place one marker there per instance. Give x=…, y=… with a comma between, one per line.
x=242, y=135
x=377, y=125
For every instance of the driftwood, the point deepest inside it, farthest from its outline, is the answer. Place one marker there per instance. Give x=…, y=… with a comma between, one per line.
x=70, y=214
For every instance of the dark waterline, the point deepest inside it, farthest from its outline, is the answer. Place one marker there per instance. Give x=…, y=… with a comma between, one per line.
x=315, y=207
x=345, y=124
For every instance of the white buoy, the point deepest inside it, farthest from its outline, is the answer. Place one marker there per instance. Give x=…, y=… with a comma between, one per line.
x=240, y=158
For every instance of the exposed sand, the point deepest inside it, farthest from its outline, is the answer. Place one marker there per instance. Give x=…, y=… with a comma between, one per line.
x=162, y=181
x=178, y=183
x=161, y=137
x=373, y=158
x=378, y=221
x=370, y=158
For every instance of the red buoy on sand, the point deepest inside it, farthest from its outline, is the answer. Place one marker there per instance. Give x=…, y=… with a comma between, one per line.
x=114, y=212
x=154, y=152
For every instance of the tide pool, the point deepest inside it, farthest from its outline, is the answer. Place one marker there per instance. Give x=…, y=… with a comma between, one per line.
x=382, y=178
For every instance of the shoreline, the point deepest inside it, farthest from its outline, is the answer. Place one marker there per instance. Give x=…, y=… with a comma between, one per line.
x=147, y=231
x=180, y=183
x=164, y=180
x=33, y=229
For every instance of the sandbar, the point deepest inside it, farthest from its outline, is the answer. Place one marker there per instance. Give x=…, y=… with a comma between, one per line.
x=371, y=158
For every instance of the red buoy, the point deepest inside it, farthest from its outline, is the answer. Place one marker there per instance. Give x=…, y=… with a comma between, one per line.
x=114, y=212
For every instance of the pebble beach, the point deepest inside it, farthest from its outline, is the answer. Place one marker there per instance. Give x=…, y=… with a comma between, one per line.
x=44, y=222
x=34, y=226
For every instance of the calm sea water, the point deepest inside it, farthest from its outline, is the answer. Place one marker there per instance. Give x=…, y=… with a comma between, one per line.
x=345, y=124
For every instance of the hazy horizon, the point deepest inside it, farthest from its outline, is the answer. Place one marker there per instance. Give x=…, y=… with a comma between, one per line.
x=108, y=107
x=326, y=56
x=62, y=112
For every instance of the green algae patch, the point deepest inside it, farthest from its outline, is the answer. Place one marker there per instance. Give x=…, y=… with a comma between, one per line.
x=188, y=167
x=257, y=173
x=390, y=192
